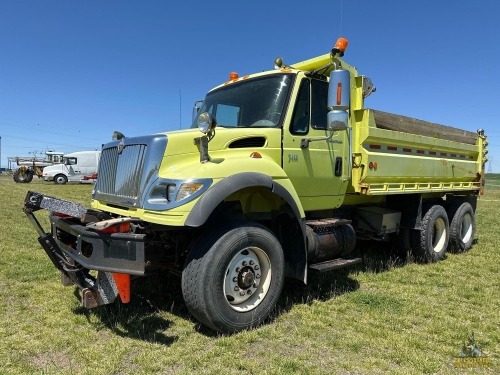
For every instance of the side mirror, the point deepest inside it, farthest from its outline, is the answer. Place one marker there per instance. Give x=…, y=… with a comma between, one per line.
x=206, y=123
x=337, y=120
x=196, y=108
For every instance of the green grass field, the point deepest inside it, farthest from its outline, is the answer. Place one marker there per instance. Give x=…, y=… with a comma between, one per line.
x=387, y=316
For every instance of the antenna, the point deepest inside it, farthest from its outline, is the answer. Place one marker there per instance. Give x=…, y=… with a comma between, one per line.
x=341, y=13
x=180, y=109
x=490, y=170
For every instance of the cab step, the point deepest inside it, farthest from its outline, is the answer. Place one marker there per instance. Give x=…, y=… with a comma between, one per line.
x=334, y=264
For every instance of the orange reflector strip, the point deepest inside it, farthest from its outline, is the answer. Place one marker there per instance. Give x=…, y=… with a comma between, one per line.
x=122, y=281
x=339, y=93
x=255, y=155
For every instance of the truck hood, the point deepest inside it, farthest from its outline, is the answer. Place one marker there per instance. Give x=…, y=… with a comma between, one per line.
x=226, y=140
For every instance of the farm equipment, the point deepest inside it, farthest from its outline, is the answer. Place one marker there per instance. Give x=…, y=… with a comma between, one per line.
x=30, y=166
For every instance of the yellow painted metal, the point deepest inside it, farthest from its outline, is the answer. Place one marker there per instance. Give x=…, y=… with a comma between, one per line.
x=410, y=163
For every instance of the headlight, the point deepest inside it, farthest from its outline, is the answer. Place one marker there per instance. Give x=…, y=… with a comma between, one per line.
x=166, y=194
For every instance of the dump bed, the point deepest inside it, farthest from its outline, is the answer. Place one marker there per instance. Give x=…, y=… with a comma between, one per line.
x=394, y=154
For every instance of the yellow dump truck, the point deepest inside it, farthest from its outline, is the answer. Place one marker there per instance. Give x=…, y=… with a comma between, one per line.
x=280, y=174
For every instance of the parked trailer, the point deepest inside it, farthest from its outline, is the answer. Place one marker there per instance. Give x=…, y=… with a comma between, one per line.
x=280, y=174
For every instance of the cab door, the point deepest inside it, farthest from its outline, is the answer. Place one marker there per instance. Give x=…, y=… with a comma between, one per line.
x=318, y=169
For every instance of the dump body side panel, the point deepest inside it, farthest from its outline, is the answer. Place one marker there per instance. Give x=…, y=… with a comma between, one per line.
x=397, y=162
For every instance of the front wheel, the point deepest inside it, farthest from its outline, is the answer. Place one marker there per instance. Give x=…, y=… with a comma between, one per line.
x=233, y=277
x=60, y=179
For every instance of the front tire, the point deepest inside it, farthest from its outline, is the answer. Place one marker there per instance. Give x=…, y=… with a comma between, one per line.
x=430, y=243
x=60, y=179
x=233, y=277
x=462, y=228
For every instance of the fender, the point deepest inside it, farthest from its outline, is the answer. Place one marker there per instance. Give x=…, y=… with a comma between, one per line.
x=229, y=185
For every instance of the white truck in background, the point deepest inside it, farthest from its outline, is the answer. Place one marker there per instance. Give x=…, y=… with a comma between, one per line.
x=76, y=165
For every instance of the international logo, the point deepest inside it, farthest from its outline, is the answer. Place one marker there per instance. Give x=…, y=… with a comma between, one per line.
x=121, y=146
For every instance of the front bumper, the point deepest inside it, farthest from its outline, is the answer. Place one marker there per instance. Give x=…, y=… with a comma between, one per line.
x=116, y=252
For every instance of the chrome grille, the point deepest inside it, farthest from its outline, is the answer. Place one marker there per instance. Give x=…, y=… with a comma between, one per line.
x=122, y=173
x=123, y=177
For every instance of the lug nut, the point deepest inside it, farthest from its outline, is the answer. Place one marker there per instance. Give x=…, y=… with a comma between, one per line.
x=242, y=293
x=244, y=264
x=255, y=285
x=235, y=279
x=252, y=263
x=237, y=269
x=236, y=288
x=257, y=267
x=249, y=292
x=257, y=276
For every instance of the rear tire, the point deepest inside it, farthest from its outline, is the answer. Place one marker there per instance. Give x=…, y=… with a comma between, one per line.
x=233, y=277
x=23, y=175
x=462, y=228
x=60, y=179
x=430, y=242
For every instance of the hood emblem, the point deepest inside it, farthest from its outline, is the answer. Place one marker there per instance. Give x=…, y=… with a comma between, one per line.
x=121, y=146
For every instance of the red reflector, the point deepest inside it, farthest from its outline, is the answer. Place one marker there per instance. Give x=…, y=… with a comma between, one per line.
x=376, y=147
x=122, y=281
x=407, y=149
x=432, y=152
x=392, y=148
x=420, y=152
x=118, y=228
x=375, y=165
x=62, y=216
x=255, y=155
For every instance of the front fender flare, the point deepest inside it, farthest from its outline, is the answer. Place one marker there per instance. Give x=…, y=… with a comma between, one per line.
x=229, y=185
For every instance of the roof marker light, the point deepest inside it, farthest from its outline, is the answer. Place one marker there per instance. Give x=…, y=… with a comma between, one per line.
x=233, y=76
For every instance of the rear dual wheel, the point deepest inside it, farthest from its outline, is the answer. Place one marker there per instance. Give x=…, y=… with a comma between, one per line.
x=233, y=277
x=462, y=227
x=431, y=241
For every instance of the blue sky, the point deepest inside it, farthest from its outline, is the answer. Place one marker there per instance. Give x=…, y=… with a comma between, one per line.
x=72, y=72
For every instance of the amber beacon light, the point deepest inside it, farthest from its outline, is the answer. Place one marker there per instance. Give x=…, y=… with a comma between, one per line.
x=340, y=46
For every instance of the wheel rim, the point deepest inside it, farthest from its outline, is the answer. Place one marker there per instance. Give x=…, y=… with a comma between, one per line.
x=439, y=235
x=466, y=228
x=60, y=180
x=247, y=279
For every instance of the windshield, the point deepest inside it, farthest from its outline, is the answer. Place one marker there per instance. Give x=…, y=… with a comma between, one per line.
x=257, y=102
